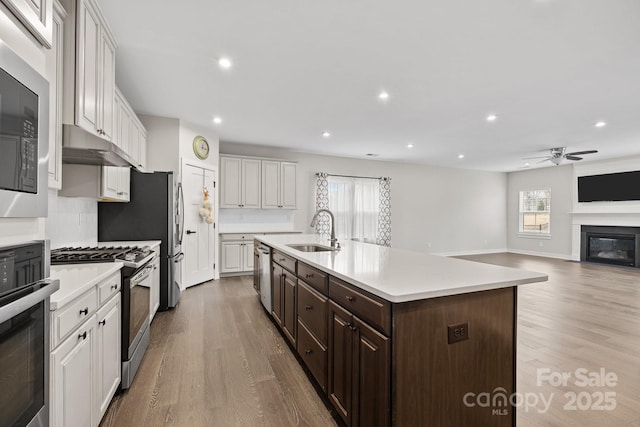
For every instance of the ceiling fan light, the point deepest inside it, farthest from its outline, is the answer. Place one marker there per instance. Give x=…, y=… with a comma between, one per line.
x=556, y=160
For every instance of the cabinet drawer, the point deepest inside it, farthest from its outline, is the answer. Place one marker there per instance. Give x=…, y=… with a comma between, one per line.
x=285, y=260
x=314, y=277
x=109, y=287
x=370, y=308
x=68, y=318
x=314, y=355
x=312, y=309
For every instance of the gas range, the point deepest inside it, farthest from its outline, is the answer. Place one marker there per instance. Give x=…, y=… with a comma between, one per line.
x=131, y=256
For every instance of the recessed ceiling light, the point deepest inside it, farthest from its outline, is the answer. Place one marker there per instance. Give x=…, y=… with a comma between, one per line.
x=326, y=134
x=526, y=165
x=217, y=120
x=461, y=156
x=409, y=145
x=384, y=95
x=224, y=63
x=492, y=118
x=600, y=124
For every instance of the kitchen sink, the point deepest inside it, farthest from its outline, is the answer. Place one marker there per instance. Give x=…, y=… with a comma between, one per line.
x=311, y=247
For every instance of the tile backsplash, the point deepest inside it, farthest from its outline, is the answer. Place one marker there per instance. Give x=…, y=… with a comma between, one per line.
x=71, y=221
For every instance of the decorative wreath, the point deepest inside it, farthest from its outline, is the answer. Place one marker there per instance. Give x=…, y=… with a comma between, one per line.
x=205, y=210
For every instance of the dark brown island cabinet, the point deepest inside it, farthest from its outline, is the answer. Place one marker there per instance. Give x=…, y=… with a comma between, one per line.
x=417, y=363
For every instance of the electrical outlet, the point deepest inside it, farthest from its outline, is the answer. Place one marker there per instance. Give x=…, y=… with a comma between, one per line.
x=458, y=332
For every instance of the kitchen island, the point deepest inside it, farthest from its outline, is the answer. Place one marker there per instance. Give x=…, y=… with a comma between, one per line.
x=394, y=337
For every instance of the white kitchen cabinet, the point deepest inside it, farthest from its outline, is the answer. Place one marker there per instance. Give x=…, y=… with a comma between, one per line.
x=142, y=149
x=54, y=59
x=278, y=185
x=105, y=183
x=129, y=133
x=85, y=355
x=240, y=182
x=90, y=53
x=36, y=16
x=236, y=253
x=109, y=356
x=154, y=302
x=73, y=375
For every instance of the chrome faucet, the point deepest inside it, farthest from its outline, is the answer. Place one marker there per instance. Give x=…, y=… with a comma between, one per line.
x=333, y=239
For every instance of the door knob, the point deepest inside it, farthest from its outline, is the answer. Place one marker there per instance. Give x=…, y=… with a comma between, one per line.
x=191, y=232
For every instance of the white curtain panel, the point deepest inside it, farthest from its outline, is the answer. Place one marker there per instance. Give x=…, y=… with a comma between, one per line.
x=361, y=207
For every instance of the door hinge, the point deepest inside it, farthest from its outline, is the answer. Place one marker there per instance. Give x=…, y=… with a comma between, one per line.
x=214, y=225
x=214, y=184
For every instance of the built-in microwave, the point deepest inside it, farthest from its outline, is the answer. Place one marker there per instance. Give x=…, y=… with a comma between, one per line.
x=24, y=137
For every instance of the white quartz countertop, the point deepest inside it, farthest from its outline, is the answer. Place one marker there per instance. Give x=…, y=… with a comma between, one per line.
x=399, y=275
x=151, y=243
x=76, y=279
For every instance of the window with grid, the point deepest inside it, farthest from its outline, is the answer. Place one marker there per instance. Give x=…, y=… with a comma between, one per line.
x=535, y=211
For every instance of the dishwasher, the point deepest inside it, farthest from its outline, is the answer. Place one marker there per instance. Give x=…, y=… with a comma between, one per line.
x=265, y=276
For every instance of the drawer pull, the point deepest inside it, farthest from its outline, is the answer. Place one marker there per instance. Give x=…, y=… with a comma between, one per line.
x=350, y=298
x=114, y=287
x=308, y=307
x=282, y=260
x=350, y=325
x=308, y=276
x=85, y=311
x=83, y=335
x=102, y=322
x=308, y=351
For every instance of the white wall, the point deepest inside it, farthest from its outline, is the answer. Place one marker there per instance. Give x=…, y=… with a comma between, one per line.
x=163, y=135
x=433, y=209
x=559, y=180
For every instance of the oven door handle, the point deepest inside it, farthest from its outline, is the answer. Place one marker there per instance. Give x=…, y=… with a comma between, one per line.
x=14, y=308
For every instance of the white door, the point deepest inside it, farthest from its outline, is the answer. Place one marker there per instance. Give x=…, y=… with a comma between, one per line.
x=198, y=243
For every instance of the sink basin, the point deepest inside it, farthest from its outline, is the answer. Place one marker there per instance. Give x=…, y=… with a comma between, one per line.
x=311, y=247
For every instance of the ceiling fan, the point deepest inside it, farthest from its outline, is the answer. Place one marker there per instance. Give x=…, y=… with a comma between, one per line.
x=556, y=155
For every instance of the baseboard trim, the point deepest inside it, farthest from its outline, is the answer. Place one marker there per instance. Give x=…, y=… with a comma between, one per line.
x=474, y=252
x=542, y=254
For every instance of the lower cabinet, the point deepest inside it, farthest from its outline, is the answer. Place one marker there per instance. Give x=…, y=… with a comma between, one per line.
x=109, y=356
x=284, y=285
x=154, y=302
x=85, y=363
x=73, y=368
x=236, y=257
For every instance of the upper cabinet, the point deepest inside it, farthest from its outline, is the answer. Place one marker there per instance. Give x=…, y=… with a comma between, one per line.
x=36, y=16
x=129, y=133
x=278, y=185
x=247, y=182
x=54, y=59
x=240, y=182
x=89, y=69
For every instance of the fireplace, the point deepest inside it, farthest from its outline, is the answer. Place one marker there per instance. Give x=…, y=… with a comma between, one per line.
x=610, y=245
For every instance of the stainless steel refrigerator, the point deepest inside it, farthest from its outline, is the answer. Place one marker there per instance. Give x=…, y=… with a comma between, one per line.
x=155, y=212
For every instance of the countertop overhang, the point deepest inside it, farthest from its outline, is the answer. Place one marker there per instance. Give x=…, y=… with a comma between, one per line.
x=399, y=275
x=75, y=279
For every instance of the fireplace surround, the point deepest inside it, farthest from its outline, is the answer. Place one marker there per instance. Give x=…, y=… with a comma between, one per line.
x=610, y=245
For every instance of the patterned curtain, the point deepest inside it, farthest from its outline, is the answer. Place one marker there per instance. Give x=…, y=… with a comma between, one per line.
x=383, y=237
x=323, y=227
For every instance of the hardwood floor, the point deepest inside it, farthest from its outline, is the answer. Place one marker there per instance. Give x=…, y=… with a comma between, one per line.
x=218, y=361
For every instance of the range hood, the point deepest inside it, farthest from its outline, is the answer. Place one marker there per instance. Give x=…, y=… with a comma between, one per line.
x=83, y=148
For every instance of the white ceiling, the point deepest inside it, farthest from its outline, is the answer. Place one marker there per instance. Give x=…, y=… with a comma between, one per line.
x=549, y=69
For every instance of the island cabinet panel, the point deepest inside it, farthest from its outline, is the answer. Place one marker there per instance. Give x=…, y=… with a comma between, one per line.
x=373, y=309
x=313, y=353
x=312, y=310
x=314, y=277
x=285, y=261
x=431, y=376
x=276, y=303
x=289, y=319
x=340, y=361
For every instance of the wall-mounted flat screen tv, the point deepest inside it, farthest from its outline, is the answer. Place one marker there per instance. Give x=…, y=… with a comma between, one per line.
x=610, y=187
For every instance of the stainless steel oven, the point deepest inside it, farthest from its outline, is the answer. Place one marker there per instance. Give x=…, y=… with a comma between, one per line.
x=24, y=335
x=24, y=137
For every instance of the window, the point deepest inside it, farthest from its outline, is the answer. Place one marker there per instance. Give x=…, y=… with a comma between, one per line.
x=355, y=203
x=535, y=212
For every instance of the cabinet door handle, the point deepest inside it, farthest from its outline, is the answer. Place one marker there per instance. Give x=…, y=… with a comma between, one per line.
x=308, y=276
x=308, y=307
x=308, y=351
x=102, y=322
x=350, y=298
x=120, y=193
x=114, y=287
x=282, y=260
x=83, y=335
x=85, y=311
